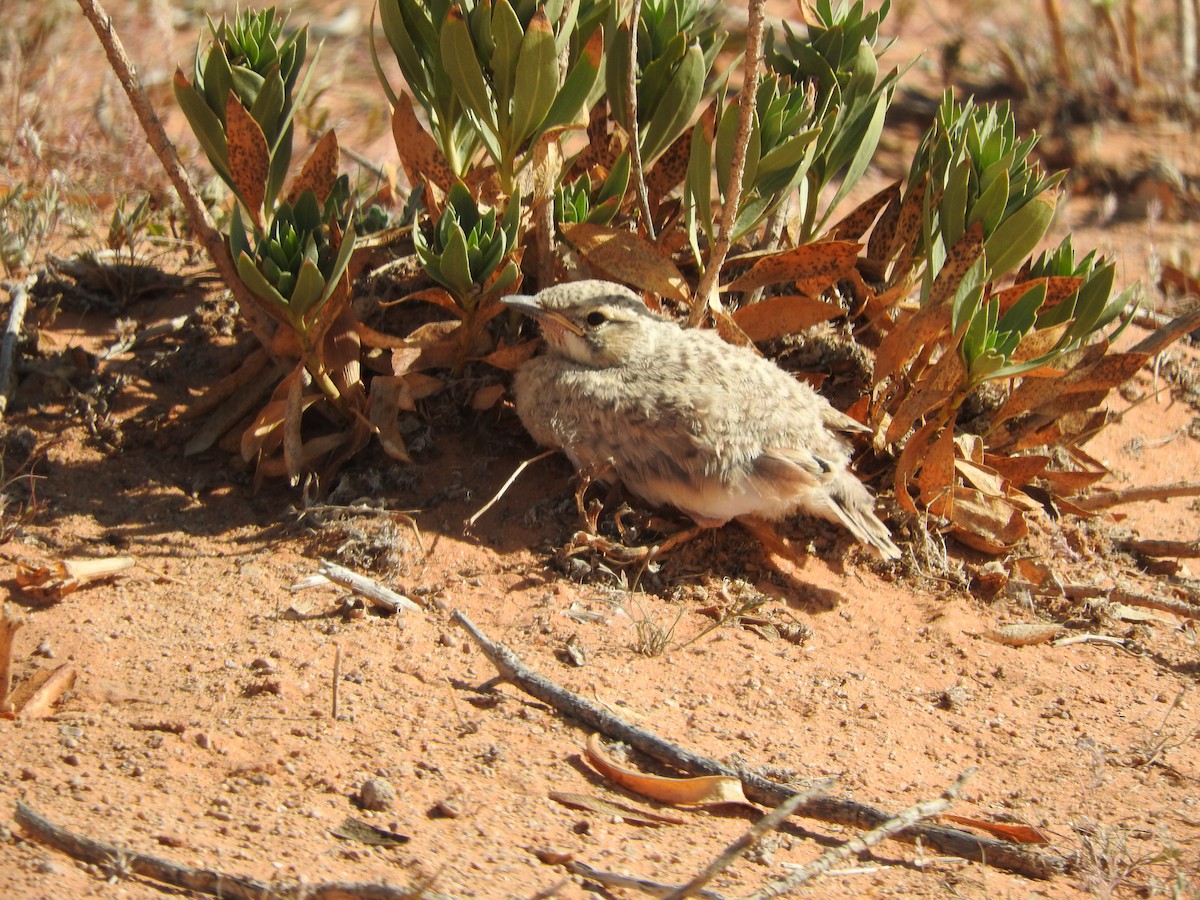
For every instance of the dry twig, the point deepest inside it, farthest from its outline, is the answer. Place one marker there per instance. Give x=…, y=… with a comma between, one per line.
x=204, y=881
x=827, y=861
x=383, y=597
x=1110, y=499
x=769, y=822
x=1175, y=549
x=706, y=291
x=19, y=291
x=635, y=149
x=1000, y=854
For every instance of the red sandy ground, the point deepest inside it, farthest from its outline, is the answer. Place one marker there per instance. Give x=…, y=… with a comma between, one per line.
x=200, y=726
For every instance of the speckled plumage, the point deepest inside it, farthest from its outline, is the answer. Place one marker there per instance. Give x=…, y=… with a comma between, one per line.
x=685, y=418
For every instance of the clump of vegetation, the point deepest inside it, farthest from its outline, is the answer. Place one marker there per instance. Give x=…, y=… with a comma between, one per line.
x=550, y=138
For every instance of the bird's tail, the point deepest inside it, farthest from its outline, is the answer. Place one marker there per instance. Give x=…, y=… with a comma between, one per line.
x=852, y=505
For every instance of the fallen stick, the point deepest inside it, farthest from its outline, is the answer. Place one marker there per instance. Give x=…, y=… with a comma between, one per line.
x=952, y=841
x=19, y=291
x=1123, y=593
x=383, y=597
x=1109, y=499
x=1175, y=549
x=645, y=885
x=204, y=881
x=828, y=860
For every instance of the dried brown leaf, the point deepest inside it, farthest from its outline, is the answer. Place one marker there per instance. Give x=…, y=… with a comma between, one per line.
x=513, y=356
x=628, y=258
x=910, y=460
x=986, y=523
x=1023, y=634
x=1008, y=831
x=320, y=170
x=936, y=388
x=779, y=316
x=813, y=268
x=1017, y=470
x=701, y=790
x=935, y=483
x=249, y=156
x=856, y=222
x=419, y=153
x=487, y=397
x=389, y=395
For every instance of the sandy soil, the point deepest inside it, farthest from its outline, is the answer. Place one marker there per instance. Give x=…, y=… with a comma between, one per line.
x=200, y=727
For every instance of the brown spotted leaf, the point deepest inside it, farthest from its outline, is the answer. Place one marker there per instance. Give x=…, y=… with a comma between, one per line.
x=669, y=171
x=855, y=224
x=813, y=268
x=1017, y=470
x=906, y=234
x=779, y=316
x=962, y=254
x=935, y=482
x=419, y=153
x=910, y=460
x=629, y=258
x=249, y=157
x=933, y=392
x=319, y=172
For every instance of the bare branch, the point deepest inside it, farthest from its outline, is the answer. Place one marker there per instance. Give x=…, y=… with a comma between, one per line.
x=1001, y=854
x=706, y=292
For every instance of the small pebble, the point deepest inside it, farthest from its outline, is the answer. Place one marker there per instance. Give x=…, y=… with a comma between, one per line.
x=377, y=794
x=203, y=741
x=72, y=759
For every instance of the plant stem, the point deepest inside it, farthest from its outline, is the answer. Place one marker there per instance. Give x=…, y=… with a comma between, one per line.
x=202, y=223
x=635, y=142
x=706, y=292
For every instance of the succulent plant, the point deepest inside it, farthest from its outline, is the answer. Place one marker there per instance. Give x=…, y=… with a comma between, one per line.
x=298, y=264
x=251, y=64
x=575, y=202
x=469, y=248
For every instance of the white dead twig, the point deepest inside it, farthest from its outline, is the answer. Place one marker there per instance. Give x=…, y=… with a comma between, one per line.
x=383, y=597
x=19, y=291
x=10, y=620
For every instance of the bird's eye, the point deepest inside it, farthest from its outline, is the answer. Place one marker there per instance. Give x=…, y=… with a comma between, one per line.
x=595, y=319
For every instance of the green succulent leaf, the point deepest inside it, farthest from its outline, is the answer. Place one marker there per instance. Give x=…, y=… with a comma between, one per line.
x=1018, y=235
x=536, y=81
x=679, y=102
x=462, y=66
x=309, y=289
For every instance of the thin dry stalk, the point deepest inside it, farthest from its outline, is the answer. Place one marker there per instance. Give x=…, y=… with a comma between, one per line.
x=635, y=149
x=19, y=292
x=203, y=881
x=827, y=861
x=470, y=523
x=1185, y=10
x=1001, y=854
x=336, y=687
x=1109, y=499
x=738, y=848
x=10, y=620
x=706, y=292
x=1131, y=41
x=1062, y=55
x=1155, y=548
x=201, y=222
x=645, y=885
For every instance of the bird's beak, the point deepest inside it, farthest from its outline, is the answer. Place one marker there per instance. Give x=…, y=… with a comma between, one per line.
x=547, y=319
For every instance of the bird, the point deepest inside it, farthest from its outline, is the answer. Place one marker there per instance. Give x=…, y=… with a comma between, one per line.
x=683, y=418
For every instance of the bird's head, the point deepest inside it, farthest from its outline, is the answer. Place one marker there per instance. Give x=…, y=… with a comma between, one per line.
x=595, y=323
